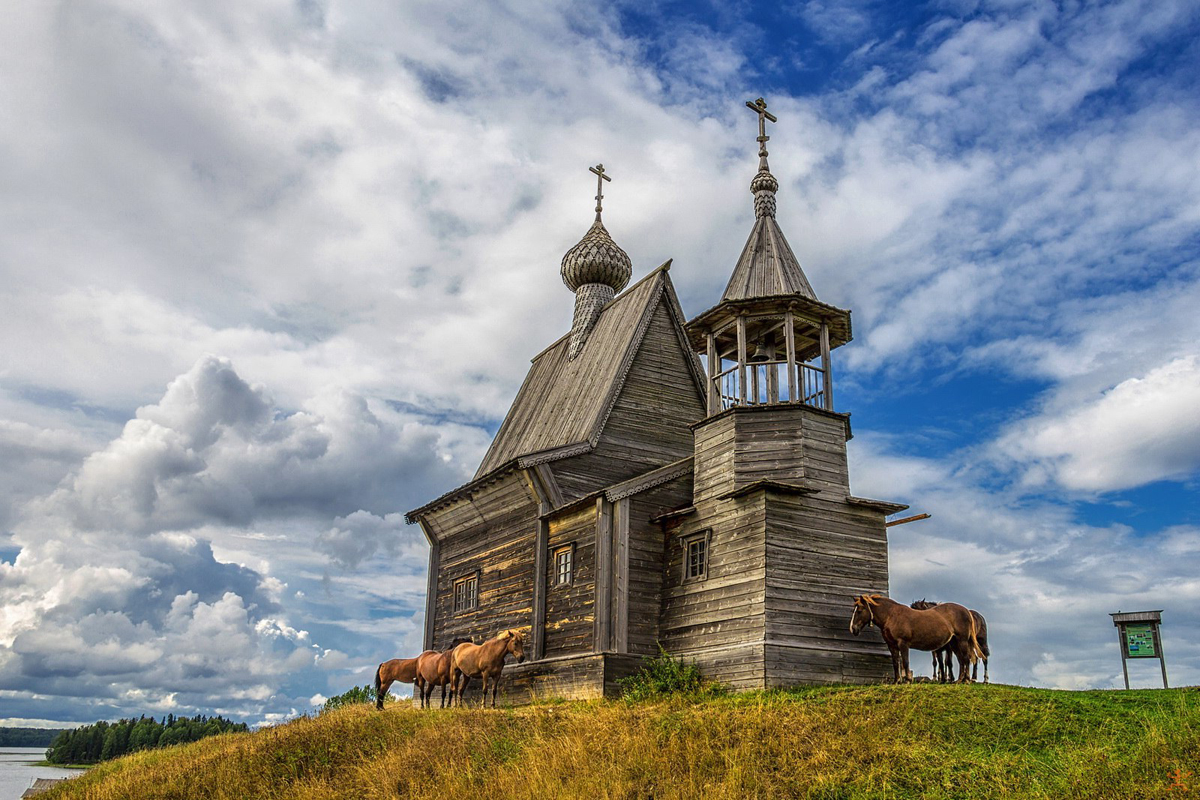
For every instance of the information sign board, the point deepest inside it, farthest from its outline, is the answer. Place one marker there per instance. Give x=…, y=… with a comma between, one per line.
x=1139, y=640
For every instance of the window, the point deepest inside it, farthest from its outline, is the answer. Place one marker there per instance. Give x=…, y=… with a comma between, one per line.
x=695, y=557
x=564, y=564
x=466, y=593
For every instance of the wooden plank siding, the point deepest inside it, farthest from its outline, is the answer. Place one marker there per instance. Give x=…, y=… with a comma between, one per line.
x=719, y=622
x=492, y=532
x=821, y=552
x=649, y=424
x=570, y=609
x=646, y=564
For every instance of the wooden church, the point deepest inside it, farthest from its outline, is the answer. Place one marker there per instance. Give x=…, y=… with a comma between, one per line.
x=660, y=480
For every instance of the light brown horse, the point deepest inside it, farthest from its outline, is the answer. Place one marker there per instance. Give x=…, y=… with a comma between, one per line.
x=398, y=669
x=903, y=628
x=941, y=658
x=484, y=661
x=433, y=669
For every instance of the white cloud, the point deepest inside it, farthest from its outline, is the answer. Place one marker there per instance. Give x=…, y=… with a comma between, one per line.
x=1142, y=430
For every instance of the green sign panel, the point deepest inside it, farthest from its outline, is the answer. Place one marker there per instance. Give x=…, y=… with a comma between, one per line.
x=1139, y=640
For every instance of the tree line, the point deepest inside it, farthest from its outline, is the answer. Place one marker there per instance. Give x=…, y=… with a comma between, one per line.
x=27, y=737
x=104, y=740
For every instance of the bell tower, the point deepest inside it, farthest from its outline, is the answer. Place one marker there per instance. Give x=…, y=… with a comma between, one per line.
x=768, y=341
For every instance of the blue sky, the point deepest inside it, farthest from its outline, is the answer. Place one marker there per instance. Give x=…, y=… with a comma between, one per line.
x=273, y=275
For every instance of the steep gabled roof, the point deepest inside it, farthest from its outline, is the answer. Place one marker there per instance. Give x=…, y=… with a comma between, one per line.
x=563, y=404
x=767, y=266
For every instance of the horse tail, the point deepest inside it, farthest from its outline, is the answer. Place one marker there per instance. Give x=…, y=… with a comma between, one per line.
x=976, y=650
x=378, y=696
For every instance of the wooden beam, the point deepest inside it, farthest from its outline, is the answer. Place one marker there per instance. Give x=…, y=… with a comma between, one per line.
x=541, y=545
x=825, y=362
x=602, y=629
x=431, y=585
x=789, y=335
x=913, y=518
x=620, y=612
x=741, y=335
x=714, y=366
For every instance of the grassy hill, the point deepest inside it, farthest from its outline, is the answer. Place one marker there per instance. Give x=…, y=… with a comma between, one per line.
x=923, y=741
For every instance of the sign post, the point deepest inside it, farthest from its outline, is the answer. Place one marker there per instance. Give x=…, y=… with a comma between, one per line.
x=1137, y=632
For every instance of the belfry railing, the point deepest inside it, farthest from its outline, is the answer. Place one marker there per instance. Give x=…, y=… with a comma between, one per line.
x=767, y=383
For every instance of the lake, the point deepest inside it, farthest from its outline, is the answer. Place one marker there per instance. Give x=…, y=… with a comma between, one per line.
x=17, y=771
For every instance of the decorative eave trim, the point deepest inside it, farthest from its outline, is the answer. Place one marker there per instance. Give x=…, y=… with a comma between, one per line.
x=554, y=454
x=648, y=480
x=579, y=502
x=451, y=496
x=769, y=486
x=677, y=513
x=878, y=505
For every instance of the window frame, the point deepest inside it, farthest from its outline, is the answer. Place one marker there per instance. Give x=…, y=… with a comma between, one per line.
x=469, y=579
x=704, y=538
x=568, y=548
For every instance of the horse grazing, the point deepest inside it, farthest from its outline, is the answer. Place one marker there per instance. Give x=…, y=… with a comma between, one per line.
x=398, y=669
x=947, y=624
x=484, y=661
x=433, y=669
x=941, y=658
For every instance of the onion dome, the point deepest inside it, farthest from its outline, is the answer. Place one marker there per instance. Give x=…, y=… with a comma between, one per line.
x=596, y=259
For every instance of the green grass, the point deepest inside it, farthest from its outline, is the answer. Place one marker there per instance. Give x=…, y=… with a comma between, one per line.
x=831, y=743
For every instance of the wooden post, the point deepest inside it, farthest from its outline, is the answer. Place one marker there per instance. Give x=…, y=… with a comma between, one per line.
x=431, y=584
x=1124, y=667
x=772, y=371
x=620, y=613
x=825, y=362
x=789, y=335
x=603, y=624
x=1162, y=657
x=741, y=334
x=541, y=545
x=714, y=366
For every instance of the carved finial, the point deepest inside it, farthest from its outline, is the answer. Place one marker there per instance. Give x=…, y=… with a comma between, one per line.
x=600, y=179
x=759, y=106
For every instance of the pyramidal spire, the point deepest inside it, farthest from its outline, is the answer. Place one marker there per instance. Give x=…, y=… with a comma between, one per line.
x=595, y=269
x=767, y=266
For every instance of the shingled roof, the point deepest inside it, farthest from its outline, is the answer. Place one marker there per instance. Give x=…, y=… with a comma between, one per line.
x=767, y=266
x=563, y=404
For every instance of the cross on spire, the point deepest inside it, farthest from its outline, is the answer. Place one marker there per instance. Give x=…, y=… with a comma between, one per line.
x=600, y=179
x=759, y=106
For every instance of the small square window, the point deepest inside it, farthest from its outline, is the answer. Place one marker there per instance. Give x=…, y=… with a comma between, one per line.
x=466, y=593
x=564, y=565
x=695, y=557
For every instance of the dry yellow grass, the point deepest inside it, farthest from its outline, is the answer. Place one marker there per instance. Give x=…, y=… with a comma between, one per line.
x=864, y=742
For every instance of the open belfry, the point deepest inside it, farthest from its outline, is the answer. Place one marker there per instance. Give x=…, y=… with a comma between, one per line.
x=673, y=482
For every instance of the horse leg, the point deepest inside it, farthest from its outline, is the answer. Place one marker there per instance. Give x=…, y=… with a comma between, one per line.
x=495, y=687
x=895, y=662
x=904, y=660
x=382, y=693
x=963, y=652
x=444, y=694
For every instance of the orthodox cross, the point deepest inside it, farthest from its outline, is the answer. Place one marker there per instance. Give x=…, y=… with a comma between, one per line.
x=600, y=179
x=759, y=106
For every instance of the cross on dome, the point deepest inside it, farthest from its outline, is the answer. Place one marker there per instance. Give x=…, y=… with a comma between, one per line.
x=600, y=179
x=759, y=106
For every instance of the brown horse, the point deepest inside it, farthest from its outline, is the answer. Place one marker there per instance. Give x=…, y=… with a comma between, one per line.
x=433, y=669
x=903, y=628
x=941, y=658
x=484, y=661
x=398, y=669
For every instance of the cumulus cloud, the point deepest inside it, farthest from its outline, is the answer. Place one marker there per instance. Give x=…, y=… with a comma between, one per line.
x=1142, y=430
x=115, y=596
